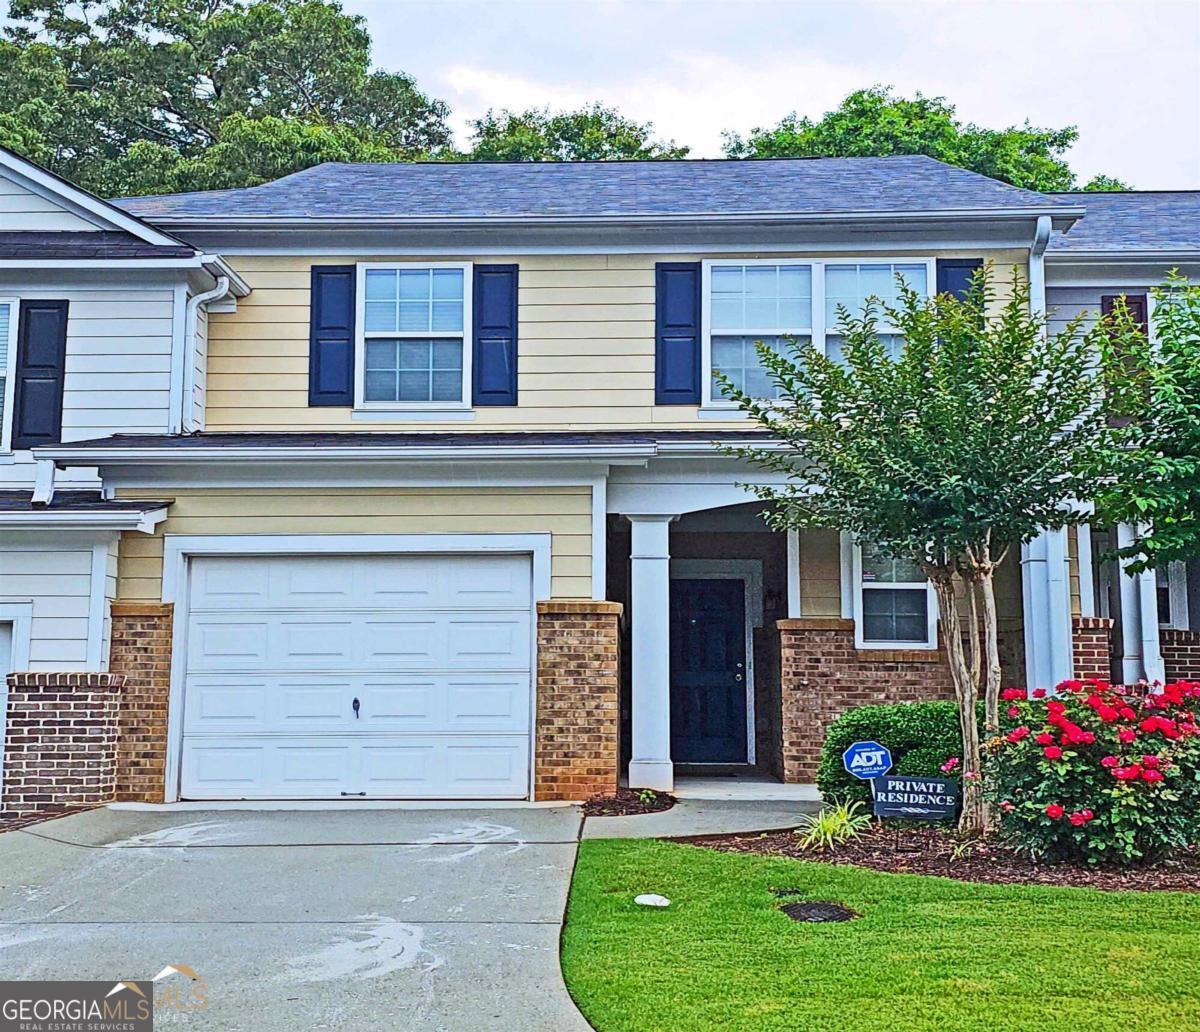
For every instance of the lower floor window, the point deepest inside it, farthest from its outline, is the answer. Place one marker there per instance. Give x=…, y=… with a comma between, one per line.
x=737, y=357
x=895, y=601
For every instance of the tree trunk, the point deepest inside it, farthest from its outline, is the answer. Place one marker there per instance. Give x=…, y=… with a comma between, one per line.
x=991, y=644
x=973, y=633
x=974, y=813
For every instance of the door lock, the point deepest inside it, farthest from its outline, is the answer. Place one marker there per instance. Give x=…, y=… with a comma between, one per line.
x=355, y=706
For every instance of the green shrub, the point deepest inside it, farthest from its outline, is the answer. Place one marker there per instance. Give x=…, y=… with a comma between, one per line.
x=925, y=731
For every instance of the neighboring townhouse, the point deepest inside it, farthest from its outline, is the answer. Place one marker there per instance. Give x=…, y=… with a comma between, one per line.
x=422, y=475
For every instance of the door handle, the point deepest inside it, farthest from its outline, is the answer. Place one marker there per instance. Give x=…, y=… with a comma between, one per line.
x=737, y=677
x=355, y=706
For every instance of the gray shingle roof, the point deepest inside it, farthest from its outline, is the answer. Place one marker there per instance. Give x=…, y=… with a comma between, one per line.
x=85, y=244
x=909, y=183
x=75, y=501
x=1167, y=220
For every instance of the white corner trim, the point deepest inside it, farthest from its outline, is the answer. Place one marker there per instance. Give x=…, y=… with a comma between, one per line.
x=1087, y=577
x=20, y=615
x=794, y=601
x=8, y=391
x=98, y=605
x=600, y=539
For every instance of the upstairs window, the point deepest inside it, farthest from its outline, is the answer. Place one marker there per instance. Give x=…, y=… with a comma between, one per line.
x=414, y=342
x=8, y=361
x=782, y=302
x=896, y=606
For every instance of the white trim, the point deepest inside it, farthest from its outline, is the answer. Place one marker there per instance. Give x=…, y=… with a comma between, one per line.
x=178, y=549
x=191, y=308
x=1087, y=577
x=51, y=519
x=600, y=539
x=98, y=605
x=749, y=572
x=713, y=408
x=61, y=190
x=858, y=587
x=846, y=573
x=20, y=616
x=794, y=602
x=1037, y=266
x=360, y=339
x=10, y=376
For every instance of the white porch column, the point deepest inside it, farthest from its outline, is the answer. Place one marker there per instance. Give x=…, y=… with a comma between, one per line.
x=650, y=653
x=1046, y=591
x=1141, y=654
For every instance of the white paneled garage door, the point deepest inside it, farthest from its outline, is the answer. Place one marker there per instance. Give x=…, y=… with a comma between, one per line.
x=435, y=650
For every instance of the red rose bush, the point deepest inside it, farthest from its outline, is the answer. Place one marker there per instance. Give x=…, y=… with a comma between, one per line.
x=1099, y=773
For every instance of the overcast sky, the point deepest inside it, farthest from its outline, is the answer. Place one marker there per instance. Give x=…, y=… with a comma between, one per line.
x=1126, y=72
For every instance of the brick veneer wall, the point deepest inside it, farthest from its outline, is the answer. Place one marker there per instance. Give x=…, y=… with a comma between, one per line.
x=1181, y=654
x=141, y=651
x=824, y=675
x=1091, y=646
x=578, y=677
x=61, y=742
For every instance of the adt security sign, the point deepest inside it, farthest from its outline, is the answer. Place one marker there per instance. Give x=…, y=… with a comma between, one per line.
x=866, y=760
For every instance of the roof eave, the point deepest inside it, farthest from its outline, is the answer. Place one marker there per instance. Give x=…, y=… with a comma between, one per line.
x=143, y=521
x=1126, y=255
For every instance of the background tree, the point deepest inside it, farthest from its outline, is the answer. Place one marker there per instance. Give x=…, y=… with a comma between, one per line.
x=129, y=96
x=593, y=133
x=969, y=442
x=875, y=123
x=1155, y=385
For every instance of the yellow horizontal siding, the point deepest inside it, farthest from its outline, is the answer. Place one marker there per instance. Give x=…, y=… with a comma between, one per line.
x=820, y=573
x=563, y=512
x=586, y=353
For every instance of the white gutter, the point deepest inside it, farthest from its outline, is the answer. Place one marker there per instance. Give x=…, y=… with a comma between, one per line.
x=140, y=520
x=1037, y=266
x=186, y=421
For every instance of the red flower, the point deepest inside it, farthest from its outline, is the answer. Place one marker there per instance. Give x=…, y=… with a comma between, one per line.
x=1078, y=819
x=1109, y=761
x=1052, y=752
x=1127, y=713
x=1127, y=735
x=1012, y=694
x=1016, y=734
x=1071, y=686
x=1055, y=708
x=1152, y=775
x=1106, y=713
x=1054, y=811
x=1007, y=806
x=1087, y=814
x=1045, y=738
x=1014, y=711
x=1150, y=762
x=1131, y=773
x=1039, y=693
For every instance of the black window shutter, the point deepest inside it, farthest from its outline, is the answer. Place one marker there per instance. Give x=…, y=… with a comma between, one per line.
x=494, y=335
x=41, y=369
x=1135, y=304
x=677, y=333
x=954, y=275
x=331, y=336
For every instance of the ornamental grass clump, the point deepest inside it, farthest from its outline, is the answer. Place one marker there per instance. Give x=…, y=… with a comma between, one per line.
x=1098, y=773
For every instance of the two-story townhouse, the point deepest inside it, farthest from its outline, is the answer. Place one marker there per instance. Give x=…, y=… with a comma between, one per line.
x=445, y=513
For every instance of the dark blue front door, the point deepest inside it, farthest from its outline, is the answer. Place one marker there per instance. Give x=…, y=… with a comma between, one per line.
x=708, y=671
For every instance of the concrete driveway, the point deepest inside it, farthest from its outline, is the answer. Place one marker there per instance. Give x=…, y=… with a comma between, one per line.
x=398, y=919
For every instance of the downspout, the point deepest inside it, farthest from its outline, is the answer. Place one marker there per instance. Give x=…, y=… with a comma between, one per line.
x=1037, y=266
x=186, y=422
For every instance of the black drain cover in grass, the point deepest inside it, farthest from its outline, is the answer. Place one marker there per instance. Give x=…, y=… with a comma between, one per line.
x=817, y=911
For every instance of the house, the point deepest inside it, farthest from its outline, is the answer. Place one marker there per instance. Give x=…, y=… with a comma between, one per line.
x=408, y=481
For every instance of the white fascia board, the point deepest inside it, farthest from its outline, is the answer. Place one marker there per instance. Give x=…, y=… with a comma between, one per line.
x=1124, y=255
x=216, y=266
x=102, y=263
x=1062, y=216
x=144, y=522
x=81, y=200
x=67, y=456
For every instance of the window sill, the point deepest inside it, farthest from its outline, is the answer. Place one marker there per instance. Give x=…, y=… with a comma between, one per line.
x=723, y=412
x=414, y=415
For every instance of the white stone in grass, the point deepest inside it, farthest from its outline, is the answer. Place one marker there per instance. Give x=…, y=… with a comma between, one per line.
x=651, y=899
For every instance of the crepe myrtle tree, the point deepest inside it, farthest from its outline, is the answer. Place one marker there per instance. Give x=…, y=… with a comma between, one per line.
x=980, y=432
x=1155, y=387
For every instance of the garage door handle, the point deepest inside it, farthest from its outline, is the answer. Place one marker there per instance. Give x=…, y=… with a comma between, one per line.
x=355, y=706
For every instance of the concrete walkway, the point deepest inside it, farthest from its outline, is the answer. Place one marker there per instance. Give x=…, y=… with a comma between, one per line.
x=396, y=919
x=703, y=817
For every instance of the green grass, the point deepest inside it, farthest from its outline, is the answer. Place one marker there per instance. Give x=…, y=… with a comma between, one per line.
x=927, y=953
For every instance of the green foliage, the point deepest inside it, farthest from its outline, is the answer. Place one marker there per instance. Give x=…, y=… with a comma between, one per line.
x=1099, y=775
x=832, y=826
x=928, y=732
x=875, y=122
x=975, y=435
x=1101, y=182
x=135, y=96
x=593, y=133
x=648, y=797
x=1155, y=385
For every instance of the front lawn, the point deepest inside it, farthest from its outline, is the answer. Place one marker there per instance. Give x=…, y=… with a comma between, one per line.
x=926, y=954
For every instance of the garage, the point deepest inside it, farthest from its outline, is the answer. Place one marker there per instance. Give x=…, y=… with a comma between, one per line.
x=357, y=676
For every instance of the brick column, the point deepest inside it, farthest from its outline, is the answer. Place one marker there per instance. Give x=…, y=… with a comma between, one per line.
x=61, y=742
x=1181, y=654
x=141, y=651
x=823, y=675
x=578, y=678
x=1091, y=639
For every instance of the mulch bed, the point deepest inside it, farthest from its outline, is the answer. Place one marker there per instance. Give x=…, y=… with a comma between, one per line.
x=626, y=803
x=931, y=851
x=13, y=823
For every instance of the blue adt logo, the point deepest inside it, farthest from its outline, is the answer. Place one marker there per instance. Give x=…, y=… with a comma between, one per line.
x=866, y=760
